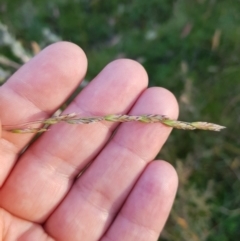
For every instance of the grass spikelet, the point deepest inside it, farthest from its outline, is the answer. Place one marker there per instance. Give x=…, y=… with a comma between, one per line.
x=75, y=119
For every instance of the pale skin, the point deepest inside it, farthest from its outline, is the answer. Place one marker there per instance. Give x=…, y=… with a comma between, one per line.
x=124, y=194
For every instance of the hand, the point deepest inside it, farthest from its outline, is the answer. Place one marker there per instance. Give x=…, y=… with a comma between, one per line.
x=123, y=194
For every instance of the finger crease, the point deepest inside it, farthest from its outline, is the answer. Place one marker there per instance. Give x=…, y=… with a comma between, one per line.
x=85, y=189
x=53, y=168
x=25, y=97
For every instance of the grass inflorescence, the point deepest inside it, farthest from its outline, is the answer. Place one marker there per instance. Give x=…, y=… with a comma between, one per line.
x=73, y=118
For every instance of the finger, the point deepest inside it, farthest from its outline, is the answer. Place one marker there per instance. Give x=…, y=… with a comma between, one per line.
x=97, y=196
x=48, y=168
x=147, y=208
x=35, y=91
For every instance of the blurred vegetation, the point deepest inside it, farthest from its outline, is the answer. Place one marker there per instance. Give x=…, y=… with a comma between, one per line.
x=191, y=47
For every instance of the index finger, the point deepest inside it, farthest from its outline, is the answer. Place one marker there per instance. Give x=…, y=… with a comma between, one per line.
x=35, y=91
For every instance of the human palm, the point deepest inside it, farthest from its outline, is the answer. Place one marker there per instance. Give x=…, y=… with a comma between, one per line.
x=122, y=194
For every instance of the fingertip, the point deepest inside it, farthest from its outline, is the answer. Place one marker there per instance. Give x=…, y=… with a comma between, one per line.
x=71, y=56
x=163, y=172
x=115, y=89
x=65, y=46
x=167, y=99
x=158, y=100
x=129, y=69
x=161, y=179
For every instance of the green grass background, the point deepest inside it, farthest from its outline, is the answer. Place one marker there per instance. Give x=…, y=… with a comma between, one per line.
x=191, y=47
